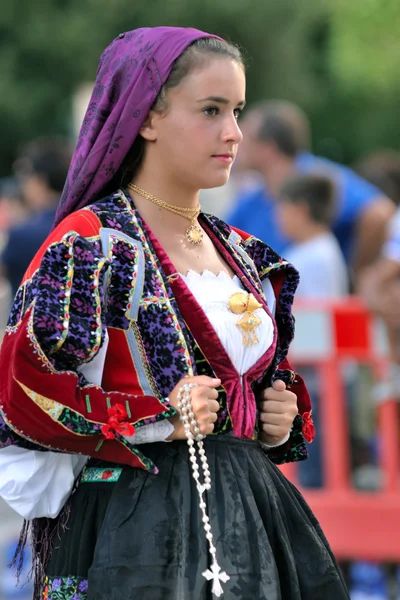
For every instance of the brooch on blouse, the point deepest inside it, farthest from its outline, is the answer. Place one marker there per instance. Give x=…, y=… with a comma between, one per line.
x=244, y=304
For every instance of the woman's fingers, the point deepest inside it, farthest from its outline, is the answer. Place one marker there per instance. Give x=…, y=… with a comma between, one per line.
x=279, y=385
x=273, y=406
x=212, y=394
x=213, y=417
x=204, y=403
x=274, y=419
x=275, y=431
x=210, y=382
x=213, y=406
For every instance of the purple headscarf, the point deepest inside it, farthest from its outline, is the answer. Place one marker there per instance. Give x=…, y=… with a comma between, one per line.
x=130, y=75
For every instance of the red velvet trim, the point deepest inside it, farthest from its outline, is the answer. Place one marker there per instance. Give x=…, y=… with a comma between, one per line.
x=119, y=368
x=276, y=280
x=241, y=403
x=84, y=222
x=235, y=265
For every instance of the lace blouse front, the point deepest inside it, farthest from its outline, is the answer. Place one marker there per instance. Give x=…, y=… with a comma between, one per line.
x=212, y=292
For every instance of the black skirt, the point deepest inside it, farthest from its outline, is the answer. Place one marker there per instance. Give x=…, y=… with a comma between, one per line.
x=142, y=537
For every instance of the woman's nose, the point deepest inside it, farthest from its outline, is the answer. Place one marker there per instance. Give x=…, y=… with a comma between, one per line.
x=232, y=132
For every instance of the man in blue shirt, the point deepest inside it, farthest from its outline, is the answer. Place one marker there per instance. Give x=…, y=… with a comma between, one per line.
x=276, y=143
x=41, y=169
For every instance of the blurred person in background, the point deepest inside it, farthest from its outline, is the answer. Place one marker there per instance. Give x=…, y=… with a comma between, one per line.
x=41, y=170
x=12, y=210
x=380, y=284
x=382, y=169
x=11, y=213
x=305, y=210
x=380, y=288
x=277, y=143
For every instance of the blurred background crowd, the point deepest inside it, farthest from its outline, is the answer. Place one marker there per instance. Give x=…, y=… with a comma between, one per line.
x=317, y=176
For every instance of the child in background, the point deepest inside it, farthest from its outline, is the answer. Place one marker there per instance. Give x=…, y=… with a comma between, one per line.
x=306, y=209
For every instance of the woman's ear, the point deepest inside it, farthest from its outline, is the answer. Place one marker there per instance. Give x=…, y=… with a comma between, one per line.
x=148, y=130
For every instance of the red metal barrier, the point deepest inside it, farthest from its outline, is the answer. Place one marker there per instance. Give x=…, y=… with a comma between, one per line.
x=358, y=525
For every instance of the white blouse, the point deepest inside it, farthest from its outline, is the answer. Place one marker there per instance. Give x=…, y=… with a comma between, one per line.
x=212, y=292
x=37, y=484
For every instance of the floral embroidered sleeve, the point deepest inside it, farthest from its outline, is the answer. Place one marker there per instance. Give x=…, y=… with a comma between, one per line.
x=55, y=326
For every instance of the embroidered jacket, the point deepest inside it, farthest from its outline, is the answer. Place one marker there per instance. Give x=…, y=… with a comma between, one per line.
x=102, y=268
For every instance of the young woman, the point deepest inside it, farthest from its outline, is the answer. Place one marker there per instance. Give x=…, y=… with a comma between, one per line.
x=142, y=326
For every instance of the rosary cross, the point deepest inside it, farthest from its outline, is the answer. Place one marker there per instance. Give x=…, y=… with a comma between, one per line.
x=214, y=573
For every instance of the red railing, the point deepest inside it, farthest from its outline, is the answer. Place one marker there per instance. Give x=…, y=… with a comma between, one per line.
x=358, y=525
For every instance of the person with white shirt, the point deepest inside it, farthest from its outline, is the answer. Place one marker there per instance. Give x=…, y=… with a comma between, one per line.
x=306, y=208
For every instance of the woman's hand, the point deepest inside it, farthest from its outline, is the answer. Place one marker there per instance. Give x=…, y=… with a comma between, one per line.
x=204, y=405
x=278, y=410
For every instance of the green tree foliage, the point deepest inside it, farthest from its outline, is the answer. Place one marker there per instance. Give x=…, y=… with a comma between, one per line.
x=297, y=49
x=365, y=50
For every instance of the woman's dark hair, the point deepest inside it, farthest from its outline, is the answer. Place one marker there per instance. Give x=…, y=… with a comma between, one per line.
x=194, y=56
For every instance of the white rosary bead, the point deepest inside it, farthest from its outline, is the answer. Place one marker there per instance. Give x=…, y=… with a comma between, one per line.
x=189, y=423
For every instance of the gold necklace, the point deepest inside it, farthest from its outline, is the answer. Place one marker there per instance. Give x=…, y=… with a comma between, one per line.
x=194, y=233
x=244, y=304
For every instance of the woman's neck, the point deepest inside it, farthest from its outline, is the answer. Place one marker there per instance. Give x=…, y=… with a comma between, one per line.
x=157, y=216
x=162, y=187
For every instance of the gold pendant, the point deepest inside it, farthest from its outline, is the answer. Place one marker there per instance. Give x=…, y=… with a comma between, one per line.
x=241, y=303
x=194, y=235
x=247, y=323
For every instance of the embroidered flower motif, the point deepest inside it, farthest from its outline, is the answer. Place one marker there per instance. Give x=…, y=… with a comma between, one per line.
x=116, y=423
x=83, y=586
x=107, y=474
x=308, y=427
x=56, y=585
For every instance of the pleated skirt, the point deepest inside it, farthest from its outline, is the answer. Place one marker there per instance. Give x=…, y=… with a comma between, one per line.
x=142, y=538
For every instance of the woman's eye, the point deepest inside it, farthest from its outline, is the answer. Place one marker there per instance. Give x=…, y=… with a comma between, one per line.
x=211, y=111
x=237, y=113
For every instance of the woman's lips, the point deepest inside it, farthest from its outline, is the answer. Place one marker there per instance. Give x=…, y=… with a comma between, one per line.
x=225, y=158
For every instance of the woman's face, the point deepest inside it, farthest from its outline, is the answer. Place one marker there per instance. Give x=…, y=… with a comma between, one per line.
x=195, y=141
